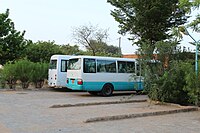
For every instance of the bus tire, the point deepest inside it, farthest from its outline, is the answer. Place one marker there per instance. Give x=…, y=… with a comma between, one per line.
x=107, y=90
x=95, y=93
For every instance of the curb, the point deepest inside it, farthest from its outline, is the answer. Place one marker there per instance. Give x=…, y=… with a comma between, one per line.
x=128, y=116
x=97, y=103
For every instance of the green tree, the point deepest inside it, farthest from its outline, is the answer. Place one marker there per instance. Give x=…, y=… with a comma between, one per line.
x=12, y=42
x=152, y=25
x=70, y=50
x=103, y=49
x=41, y=51
x=148, y=20
x=195, y=24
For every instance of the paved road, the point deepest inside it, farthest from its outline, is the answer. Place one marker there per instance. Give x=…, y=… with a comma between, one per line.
x=174, y=123
x=29, y=112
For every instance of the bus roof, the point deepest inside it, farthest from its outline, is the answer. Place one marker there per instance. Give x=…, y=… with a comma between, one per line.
x=103, y=57
x=61, y=56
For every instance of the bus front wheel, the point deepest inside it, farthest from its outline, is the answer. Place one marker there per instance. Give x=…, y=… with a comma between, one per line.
x=107, y=90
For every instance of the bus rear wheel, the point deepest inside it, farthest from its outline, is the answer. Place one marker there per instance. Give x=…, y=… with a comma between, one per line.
x=107, y=90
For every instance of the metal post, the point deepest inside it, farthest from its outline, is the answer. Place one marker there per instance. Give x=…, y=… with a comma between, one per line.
x=196, y=54
x=196, y=59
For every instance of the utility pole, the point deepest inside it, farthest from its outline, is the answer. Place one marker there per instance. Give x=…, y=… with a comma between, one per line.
x=120, y=51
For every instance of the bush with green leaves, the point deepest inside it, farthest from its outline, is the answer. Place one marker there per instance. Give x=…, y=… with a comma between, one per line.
x=171, y=77
x=9, y=75
x=1, y=85
x=38, y=74
x=24, y=69
x=193, y=85
x=179, y=84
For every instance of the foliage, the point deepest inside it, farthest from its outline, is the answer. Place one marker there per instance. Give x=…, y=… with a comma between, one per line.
x=169, y=71
x=195, y=24
x=190, y=6
x=38, y=74
x=148, y=20
x=172, y=78
x=89, y=36
x=193, y=85
x=12, y=42
x=9, y=75
x=70, y=50
x=169, y=86
x=2, y=82
x=102, y=49
x=41, y=51
x=24, y=69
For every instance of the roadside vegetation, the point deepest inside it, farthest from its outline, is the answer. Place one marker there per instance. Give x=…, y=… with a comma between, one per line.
x=152, y=25
x=25, y=72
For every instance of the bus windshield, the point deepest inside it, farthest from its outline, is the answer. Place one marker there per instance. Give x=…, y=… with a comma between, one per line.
x=74, y=64
x=53, y=64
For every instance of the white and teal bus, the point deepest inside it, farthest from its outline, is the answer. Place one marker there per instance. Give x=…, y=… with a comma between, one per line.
x=103, y=75
x=57, y=74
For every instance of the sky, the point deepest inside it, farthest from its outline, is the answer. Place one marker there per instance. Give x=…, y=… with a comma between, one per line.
x=53, y=20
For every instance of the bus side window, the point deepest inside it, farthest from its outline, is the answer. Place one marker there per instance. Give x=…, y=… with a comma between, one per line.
x=101, y=66
x=121, y=67
x=106, y=66
x=89, y=66
x=111, y=66
x=130, y=67
x=63, y=65
x=53, y=64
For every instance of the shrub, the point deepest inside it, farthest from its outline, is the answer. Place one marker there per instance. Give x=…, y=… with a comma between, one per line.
x=2, y=82
x=24, y=70
x=39, y=74
x=179, y=84
x=193, y=85
x=9, y=75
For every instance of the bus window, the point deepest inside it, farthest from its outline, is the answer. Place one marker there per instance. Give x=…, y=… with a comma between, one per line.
x=101, y=66
x=121, y=67
x=74, y=64
x=89, y=66
x=64, y=65
x=53, y=64
x=106, y=66
x=111, y=66
x=130, y=67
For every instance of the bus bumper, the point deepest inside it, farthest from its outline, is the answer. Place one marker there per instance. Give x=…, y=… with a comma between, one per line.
x=75, y=87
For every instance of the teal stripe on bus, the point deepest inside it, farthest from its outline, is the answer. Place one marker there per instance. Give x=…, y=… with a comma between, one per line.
x=97, y=86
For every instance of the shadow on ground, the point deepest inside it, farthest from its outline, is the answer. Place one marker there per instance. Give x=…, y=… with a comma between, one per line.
x=62, y=90
x=115, y=93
